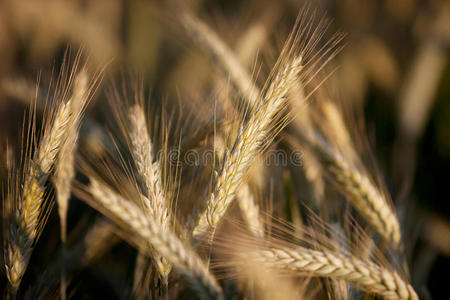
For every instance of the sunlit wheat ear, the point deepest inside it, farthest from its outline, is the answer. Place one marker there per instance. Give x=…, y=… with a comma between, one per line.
x=248, y=144
x=180, y=256
x=360, y=190
x=64, y=169
x=247, y=203
x=148, y=166
x=149, y=169
x=29, y=207
x=365, y=275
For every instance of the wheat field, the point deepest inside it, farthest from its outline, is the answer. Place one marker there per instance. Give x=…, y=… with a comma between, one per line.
x=224, y=149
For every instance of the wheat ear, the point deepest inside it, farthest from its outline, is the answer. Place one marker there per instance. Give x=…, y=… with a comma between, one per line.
x=64, y=168
x=364, y=196
x=151, y=173
x=247, y=145
x=366, y=275
x=30, y=216
x=181, y=257
x=224, y=57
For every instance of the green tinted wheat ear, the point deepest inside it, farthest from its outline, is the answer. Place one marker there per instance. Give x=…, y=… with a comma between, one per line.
x=365, y=275
x=181, y=257
x=363, y=194
x=150, y=171
x=247, y=146
x=30, y=207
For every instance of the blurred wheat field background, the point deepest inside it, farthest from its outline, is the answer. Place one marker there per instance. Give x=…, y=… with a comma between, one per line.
x=225, y=149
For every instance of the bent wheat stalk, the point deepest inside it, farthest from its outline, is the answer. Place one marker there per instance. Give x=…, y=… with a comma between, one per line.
x=366, y=275
x=181, y=257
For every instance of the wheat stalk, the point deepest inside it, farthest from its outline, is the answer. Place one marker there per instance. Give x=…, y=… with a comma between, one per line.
x=181, y=257
x=366, y=275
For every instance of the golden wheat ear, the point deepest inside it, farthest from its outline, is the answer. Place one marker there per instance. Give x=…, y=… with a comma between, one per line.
x=297, y=63
x=149, y=169
x=366, y=275
x=45, y=152
x=339, y=159
x=82, y=90
x=29, y=205
x=307, y=252
x=247, y=145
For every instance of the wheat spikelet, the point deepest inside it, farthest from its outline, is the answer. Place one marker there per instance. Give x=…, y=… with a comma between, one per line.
x=31, y=208
x=151, y=173
x=182, y=258
x=366, y=198
x=247, y=145
x=368, y=276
